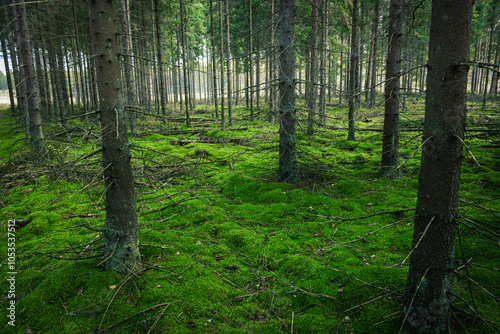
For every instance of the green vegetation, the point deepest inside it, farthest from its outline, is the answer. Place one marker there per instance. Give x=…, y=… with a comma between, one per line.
x=226, y=248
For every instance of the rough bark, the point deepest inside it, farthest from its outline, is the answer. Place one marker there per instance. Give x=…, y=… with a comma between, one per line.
x=228, y=67
x=7, y=74
x=121, y=243
x=353, y=72
x=390, y=139
x=34, y=118
x=214, y=62
x=128, y=63
x=427, y=298
x=373, y=65
x=312, y=101
x=288, y=164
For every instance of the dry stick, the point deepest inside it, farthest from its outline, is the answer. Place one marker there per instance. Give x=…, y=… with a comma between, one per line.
x=355, y=278
x=371, y=300
x=158, y=318
x=418, y=243
x=91, y=182
x=468, y=150
x=113, y=298
x=413, y=298
x=368, y=234
x=292, y=324
x=466, y=269
x=133, y=315
x=479, y=285
x=486, y=321
x=415, y=152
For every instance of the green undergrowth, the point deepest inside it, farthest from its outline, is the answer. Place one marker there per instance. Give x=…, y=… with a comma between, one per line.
x=227, y=249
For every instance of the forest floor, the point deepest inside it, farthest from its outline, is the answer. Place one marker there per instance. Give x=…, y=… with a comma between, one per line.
x=228, y=249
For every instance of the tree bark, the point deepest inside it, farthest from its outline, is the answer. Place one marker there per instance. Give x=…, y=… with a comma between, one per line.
x=312, y=101
x=214, y=62
x=129, y=63
x=390, y=140
x=9, y=80
x=288, y=164
x=34, y=119
x=373, y=65
x=228, y=67
x=121, y=243
x=427, y=298
x=353, y=79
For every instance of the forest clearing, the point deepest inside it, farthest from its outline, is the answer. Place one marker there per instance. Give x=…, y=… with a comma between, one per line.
x=253, y=166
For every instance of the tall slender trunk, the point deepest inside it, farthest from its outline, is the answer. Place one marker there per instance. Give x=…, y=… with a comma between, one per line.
x=252, y=116
x=390, y=140
x=121, y=237
x=214, y=61
x=312, y=101
x=228, y=67
x=128, y=64
x=9, y=80
x=490, y=47
x=221, y=55
x=323, y=70
x=288, y=163
x=353, y=80
x=34, y=119
x=427, y=298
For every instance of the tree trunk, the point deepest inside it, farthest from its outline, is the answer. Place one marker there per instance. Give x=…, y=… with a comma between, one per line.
x=427, y=298
x=129, y=64
x=250, y=62
x=323, y=70
x=390, y=140
x=121, y=243
x=288, y=164
x=214, y=62
x=228, y=67
x=184, y=64
x=373, y=65
x=7, y=74
x=353, y=80
x=490, y=47
x=34, y=119
x=312, y=101
x=221, y=56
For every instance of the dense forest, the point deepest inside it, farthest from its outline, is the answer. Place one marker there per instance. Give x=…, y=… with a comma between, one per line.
x=233, y=166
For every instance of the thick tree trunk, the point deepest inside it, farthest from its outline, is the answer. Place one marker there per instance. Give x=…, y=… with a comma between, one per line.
x=121, y=243
x=390, y=140
x=427, y=298
x=288, y=164
x=34, y=119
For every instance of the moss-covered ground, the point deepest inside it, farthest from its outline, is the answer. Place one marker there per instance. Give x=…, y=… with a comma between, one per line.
x=228, y=249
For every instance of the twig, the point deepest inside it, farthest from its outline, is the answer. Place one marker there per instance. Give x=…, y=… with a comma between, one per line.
x=133, y=315
x=418, y=243
x=413, y=298
x=479, y=285
x=466, y=268
x=355, y=278
x=371, y=300
x=157, y=319
x=468, y=150
x=415, y=152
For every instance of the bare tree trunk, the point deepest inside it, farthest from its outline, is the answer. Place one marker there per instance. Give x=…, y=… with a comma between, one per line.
x=323, y=70
x=221, y=55
x=353, y=80
x=252, y=116
x=214, y=62
x=228, y=67
x=184, y=64
x=373, y=65
x=427, y=299
x=9, y=80
x=288, y=163
x=390, y=140
x=128, y=64
x=312, y=101
x=121, y=239
x=34, y=120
